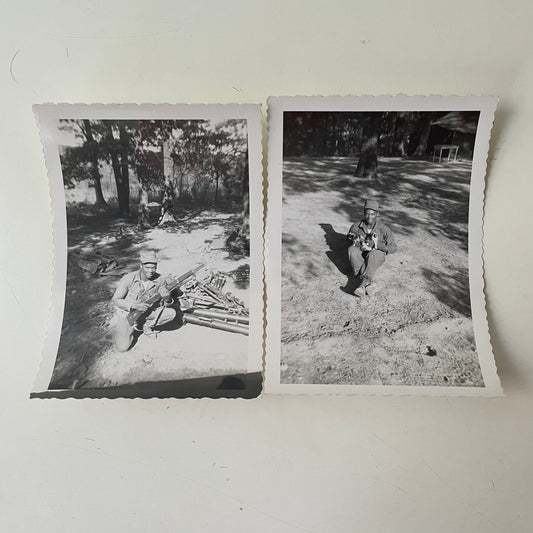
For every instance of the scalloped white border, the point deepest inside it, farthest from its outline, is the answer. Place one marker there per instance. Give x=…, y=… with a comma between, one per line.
x=276, y=106
x=47, y=116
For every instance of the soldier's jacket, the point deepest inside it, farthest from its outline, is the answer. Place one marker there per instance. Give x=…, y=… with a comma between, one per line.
x=385, y=236
x=130, y=288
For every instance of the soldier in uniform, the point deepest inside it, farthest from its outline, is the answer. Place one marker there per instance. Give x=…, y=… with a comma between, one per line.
x=127, y=298
x=370, y=243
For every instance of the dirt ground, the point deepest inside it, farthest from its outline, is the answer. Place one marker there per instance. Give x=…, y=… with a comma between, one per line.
x=417, y=330
x=86, y=356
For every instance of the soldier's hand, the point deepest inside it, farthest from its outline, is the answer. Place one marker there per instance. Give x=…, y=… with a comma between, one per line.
x=140, y=306
x=164, y=292
x=374, y=241
x=365, y=247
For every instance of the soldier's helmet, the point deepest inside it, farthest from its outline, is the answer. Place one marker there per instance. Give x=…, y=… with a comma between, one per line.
x=148, y=257
x=372, y=204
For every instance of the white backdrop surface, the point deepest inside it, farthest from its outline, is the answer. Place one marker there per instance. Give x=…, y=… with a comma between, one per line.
x=276, y=464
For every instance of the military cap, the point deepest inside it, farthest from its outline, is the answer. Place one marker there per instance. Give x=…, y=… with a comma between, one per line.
x=148, y=257
x=372, y=204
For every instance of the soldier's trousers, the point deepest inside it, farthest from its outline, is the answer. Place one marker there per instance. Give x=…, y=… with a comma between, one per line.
x=124, y=332
x=365, y=263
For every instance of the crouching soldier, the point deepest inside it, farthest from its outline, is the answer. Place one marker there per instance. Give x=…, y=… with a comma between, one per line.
x=127, y=297
x=369, y=243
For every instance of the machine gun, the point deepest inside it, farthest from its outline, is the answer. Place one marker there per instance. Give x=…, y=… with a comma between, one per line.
x=202, y=303
x=152, y=296
x=205, y=304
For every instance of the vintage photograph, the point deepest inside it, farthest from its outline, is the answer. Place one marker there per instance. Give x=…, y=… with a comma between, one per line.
x=163, y=249
x=375, y=286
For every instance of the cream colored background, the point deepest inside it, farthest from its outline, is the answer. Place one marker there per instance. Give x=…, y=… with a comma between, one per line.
x=278, y=464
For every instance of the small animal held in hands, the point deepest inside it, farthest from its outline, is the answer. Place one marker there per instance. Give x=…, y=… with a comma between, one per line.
x=365, y=243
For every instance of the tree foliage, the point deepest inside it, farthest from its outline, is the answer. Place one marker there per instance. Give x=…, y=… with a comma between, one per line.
x=199, y=163
x=367, y=135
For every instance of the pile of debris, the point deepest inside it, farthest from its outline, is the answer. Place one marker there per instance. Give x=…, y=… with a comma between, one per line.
x=205, y=304
x=95, y=263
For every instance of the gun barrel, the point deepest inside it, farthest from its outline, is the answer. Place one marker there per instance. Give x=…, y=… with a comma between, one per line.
x=151, y=296
x=215, y=324
x=189, y=273
x=219, y=315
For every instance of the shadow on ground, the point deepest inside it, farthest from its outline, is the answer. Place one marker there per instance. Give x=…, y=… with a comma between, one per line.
x=302, y=257
x=416, y=329
x=451, y=289
x=338, y=249
x=437, y=194
x=87, y=321
x=234, y=386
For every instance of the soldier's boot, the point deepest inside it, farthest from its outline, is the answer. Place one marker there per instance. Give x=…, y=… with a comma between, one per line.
x=361, y=290
x=372, y=288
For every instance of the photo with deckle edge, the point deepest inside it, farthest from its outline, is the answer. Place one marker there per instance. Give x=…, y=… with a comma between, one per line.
x=375, y=271
x=158, y=256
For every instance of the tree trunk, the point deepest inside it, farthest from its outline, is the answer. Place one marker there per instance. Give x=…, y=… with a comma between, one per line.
x=319, y=135
x=95, y=173
x=168, y=164
x=124, y=170
x=367, y=166
x=325, y=152
x=180, y=191
x=167, y=202
x=123, y=200
x=238, y=241
x=143, y=213
x=245, y=188
x=244, y=230
x=424, y=126
x=401, y=135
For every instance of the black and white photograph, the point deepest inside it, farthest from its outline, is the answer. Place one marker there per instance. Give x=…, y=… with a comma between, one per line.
x=161, y=256
x=375, y=217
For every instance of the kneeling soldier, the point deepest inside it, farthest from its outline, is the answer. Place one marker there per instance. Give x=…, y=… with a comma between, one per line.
x=370, y=242
x=127, y=298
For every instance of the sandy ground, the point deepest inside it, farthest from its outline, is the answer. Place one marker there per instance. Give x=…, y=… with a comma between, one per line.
x=417, y=330
x=87, y=358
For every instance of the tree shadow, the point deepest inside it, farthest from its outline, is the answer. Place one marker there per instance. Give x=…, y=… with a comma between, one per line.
x=103, y=235
x=299, y=254
x=89, y=311
x=450, y=289
x=188, y=222
x=412, y=192
x=305, y=174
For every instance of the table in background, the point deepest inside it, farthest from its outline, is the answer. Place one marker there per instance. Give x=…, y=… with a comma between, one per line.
x=452, y=149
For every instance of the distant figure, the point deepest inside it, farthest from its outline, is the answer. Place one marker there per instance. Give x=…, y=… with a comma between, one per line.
x=167, y=206
x=370, y=242
x=128, y=297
